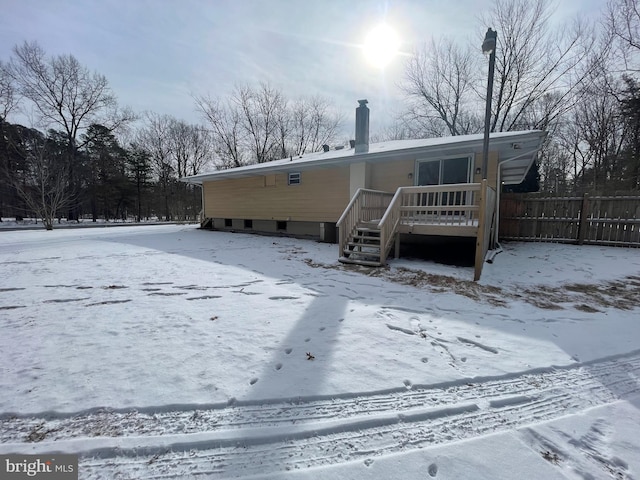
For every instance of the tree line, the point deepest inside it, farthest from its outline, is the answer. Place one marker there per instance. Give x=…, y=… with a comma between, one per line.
x=92, y=159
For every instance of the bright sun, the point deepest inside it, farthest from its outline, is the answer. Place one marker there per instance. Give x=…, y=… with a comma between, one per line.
x=381, y=45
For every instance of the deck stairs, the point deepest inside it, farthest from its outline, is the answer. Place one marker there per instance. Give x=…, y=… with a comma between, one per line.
x=363, y=246
x=206, y=223
x=373, y=221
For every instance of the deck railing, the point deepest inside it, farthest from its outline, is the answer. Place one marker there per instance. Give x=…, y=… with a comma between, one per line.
x=388, y=225
x=365, y=206
x=453, y=204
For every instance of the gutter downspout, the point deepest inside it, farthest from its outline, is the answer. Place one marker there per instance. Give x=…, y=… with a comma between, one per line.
x=494, y=240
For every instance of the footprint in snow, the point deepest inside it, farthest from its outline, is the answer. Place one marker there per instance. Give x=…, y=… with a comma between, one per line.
x=253, y=381
x=433, y=470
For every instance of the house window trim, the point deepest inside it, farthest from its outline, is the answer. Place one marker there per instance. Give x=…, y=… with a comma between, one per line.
x=470, y=166
x=294, y=174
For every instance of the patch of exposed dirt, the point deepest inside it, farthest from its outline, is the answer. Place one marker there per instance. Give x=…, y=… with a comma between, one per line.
x=587, y=297
x=586, y=308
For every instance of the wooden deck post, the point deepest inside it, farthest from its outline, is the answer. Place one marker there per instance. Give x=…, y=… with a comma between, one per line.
x=584, y=213
x=397, y=246
x=481, y=232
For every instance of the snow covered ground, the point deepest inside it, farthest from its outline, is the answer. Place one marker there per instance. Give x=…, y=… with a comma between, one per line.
x=167, y=351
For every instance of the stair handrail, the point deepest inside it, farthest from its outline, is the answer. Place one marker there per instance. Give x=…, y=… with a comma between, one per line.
x=343, y=217
x=388, y=224
x=348, y=221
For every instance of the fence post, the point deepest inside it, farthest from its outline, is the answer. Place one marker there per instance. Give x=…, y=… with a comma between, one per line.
x=584, y=213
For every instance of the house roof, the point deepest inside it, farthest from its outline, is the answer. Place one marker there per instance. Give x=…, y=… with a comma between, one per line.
x=516, y=153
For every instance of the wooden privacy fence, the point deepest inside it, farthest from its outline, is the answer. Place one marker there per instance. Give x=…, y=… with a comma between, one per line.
x=599, y=220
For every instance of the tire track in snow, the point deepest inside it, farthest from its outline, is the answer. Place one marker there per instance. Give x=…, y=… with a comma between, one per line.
x=247, y=439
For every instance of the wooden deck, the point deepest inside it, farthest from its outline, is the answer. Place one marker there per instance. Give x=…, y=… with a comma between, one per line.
x=372, y=222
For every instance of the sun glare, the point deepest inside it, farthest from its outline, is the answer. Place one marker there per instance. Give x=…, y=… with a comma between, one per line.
x=381, y=45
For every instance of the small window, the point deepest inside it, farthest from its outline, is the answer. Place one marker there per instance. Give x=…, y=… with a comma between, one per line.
x=281, y=226
x=248, y=224
x=294, y=178
x=228, y=222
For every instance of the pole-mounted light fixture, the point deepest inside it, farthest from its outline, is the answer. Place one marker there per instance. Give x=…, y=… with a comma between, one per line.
x=488, y=46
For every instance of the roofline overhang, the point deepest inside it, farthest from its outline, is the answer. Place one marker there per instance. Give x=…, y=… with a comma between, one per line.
x=280, y=166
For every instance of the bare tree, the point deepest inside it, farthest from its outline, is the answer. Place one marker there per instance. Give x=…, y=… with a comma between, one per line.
x=398, y=130
x=155, y=138
x=313, y=123
x=44, y=184
x=8, y=102
x=258, y=124
x=223, y=118
x=8, y=94
x=554, y=164
x=180, y=145
x=259, y=119
x=438, y=83
x=533, y=59
x=65, y=95
x=201, y=149
x=623, y=23
x=190, y=147
x=593, y=134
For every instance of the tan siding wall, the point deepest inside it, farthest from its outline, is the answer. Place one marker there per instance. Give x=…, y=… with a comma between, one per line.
x=321, y=197
x=492, y=169
x=388, y=176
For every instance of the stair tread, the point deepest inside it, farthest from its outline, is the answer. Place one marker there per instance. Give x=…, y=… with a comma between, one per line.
x=373, y=257
x=373, y=248
x=367, y=263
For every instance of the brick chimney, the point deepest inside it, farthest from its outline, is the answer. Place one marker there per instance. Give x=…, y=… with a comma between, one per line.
x=362, y=127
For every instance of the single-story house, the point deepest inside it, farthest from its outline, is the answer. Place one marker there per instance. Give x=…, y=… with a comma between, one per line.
x=367, y=195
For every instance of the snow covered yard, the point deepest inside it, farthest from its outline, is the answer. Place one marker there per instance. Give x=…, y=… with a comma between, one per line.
x=166, y=351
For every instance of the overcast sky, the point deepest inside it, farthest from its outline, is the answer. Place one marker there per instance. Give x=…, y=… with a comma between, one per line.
x=157, y=53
